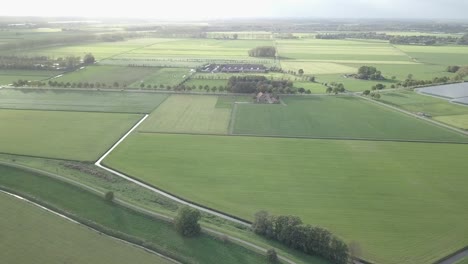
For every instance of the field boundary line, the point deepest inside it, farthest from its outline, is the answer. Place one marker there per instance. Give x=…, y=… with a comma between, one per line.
x=88, y=227
x=436, y=123
x=137, y=208
x=306, y=137
x=454, y=257
x=159, y=191
x=232, y=119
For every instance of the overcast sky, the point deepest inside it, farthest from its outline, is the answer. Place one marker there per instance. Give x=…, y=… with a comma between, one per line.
x=215, y=9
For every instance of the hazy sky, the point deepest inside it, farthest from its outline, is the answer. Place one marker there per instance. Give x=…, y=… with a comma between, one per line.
x=214, y=9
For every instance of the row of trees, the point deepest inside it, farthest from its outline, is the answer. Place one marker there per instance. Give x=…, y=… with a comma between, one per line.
x=263, y=51
x=312, y=240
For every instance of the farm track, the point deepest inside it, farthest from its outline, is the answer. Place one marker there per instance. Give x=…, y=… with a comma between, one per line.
x=131, y=206
x=88, y=227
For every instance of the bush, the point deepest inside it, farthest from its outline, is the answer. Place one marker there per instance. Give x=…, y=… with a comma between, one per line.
x=109, y=196
x=186, y=221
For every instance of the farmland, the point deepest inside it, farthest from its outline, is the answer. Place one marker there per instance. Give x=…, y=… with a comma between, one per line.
x=38, y=236
x=107, y=75
x=62, y=135
x=393, y=183
x=10, y=76
x=439, y=109
x=188, y=114
x=335, y=117
x=86, y=205
x=351, y=187
x=86, y=101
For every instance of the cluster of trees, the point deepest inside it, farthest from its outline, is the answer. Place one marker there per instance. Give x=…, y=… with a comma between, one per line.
x=398, y=39
x=423, y=40
x=263, y=51
x=312, y=240
x=254, y=83
x=335, y=88
x=372, y=95
x=453, y=69
x=23, y=83
x=410, y=82
x=378, y=86
x=369, y=73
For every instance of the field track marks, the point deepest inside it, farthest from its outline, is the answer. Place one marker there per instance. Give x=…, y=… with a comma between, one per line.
x=90, y=228
x=163, y=193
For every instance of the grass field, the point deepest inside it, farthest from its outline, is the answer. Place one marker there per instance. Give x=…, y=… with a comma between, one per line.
x=440, y=109
x=314, y=68
x=63, y=135
x=68, y=100
x=315, y=88
x=203, y=82
x=10, y=76
x=440, y=55
x=188, y=114
x=108, y=75
x=202, y=249
x=32, y=235
x=375, y=193
x=336, y=117
x=165, y=76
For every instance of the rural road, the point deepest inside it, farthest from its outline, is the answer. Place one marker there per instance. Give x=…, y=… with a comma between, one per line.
x=165, y=194
x=97, y=231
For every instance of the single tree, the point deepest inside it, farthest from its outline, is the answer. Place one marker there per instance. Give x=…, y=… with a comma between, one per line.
x=109, y=196
x=88, y=59
x=366, y=92
x=186, y=221
x=301, y=71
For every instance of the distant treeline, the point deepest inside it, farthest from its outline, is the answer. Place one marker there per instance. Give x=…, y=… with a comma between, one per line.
x=25, y=44
x=398, y=39
x=253, y=84
x=263, y=51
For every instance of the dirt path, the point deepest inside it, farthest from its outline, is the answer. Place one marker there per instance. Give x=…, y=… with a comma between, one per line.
x=97, y=231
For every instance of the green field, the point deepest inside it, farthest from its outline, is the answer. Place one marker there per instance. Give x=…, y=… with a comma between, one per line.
x=188, y=114
x=157, y=233
x=108, y=75
x=351, y=84
x=33, y=235
x=203, y=82
x=440, y=109
x=10, y=76
x=314, y=68
x=401, y=201
x=335, y=117
x=165, y=76
x=63, y=135
x=314, y=87
x=439, y=55
x=68, y=100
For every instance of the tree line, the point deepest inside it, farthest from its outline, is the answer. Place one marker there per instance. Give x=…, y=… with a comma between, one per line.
x=263, y=51
x=398, y=39
x=44, y=62
x=254, y=84
x=292, y=232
